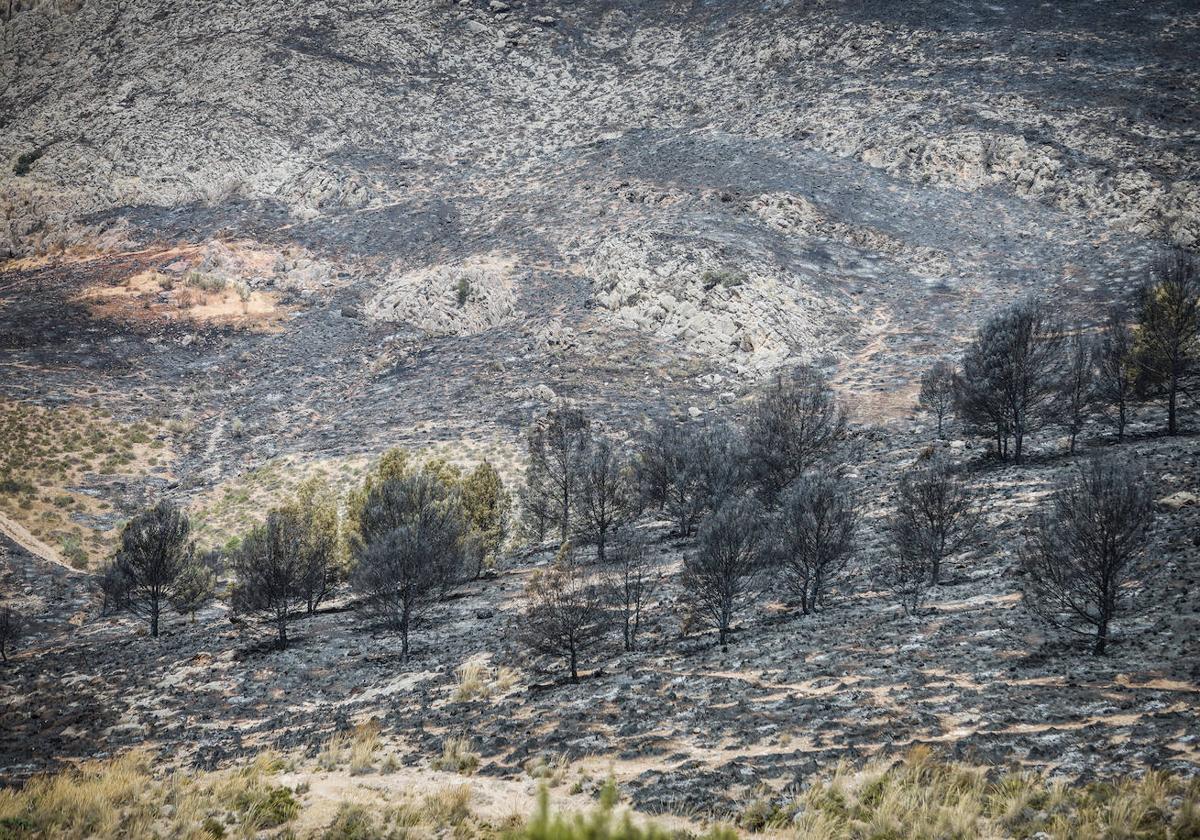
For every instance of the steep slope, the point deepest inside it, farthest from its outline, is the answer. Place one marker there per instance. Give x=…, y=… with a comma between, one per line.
x=874, y=184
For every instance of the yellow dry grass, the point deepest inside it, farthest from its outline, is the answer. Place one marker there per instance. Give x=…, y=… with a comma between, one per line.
x=478, y=679
x=122, y=798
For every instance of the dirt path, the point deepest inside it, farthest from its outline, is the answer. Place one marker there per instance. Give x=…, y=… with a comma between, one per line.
x=18, y=534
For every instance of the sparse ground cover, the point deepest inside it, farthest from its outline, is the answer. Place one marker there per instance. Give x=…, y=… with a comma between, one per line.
x=230, y=509
x=53, y=459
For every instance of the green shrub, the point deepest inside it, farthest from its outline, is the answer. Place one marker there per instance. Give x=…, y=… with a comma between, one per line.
x=12, y=828
x=268, y=807
x=206, y=282
x=15, y=486
x=352, y=822
x=72, y=549
x=464, y=291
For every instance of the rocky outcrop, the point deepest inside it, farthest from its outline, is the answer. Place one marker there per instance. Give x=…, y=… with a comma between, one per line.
x=448, y=300
x=739, y=308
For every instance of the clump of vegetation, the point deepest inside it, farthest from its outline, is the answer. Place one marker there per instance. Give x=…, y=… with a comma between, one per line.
x=363, y=747
x=267, y=807
x=548, y=768
x=354, y=822
x=449, y=806
x=478, y=679
x=74, y=552
x=15, y=487
x=356, y=749
x=457, y=756
x=206, y=282
x=923, y=797
x=232, y=509
x=463, y=291
x=445, y=809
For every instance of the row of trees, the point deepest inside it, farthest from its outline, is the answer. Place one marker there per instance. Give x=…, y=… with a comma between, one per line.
x=579, y=485
x=1025, y=371
x=407, y=534
x=770, y=510
x=1084, y=565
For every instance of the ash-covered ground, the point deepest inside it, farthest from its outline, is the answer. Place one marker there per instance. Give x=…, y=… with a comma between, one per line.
x=422, y=224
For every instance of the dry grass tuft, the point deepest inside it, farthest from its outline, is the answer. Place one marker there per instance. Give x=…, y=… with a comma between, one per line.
x=448, y=806
x=457, y=756
x=356, y=748
x=364, y=744
x=548, y=768
x=478, y=679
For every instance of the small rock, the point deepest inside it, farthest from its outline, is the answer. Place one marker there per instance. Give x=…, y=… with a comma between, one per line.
x=1178, y=501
